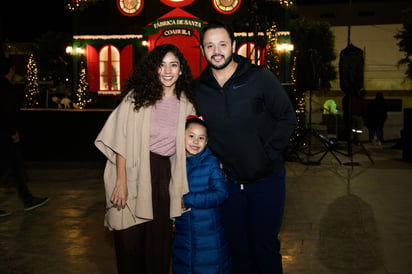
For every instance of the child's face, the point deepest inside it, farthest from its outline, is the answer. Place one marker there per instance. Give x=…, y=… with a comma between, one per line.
x=195, y=139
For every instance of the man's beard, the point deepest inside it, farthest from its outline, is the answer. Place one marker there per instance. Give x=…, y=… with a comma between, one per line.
x=222, y=66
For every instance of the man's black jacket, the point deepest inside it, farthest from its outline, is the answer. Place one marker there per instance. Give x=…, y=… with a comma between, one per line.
x=250, y=120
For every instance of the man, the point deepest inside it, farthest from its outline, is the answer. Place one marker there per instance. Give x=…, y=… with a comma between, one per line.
x=250, y=120
x=10, y=156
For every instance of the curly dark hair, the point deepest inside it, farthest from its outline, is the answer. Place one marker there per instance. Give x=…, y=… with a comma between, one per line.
x=145, y=82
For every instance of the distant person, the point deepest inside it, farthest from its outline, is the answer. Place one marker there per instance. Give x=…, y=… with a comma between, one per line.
x=145, y=174
x=199, y=244
x=59, y=67
x=376, y=117
x=10, y=147
x=354, y=113
x=250, y=120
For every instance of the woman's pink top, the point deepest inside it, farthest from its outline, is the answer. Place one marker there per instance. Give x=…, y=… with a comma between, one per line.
x=163, y=125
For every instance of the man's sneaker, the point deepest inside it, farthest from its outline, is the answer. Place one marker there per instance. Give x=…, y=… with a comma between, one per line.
x=35, y=202
x=4, y=213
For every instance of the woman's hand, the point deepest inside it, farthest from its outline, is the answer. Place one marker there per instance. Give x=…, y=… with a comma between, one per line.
x=119, y=194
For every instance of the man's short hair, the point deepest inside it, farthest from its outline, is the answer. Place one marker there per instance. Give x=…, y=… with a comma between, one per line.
x=216, y=25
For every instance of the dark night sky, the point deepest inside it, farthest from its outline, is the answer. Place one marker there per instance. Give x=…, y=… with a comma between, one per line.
x=25, y=20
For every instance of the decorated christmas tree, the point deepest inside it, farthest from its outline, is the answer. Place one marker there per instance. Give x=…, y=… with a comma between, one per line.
x=82, y=96
x=272, y=59
x=32, y=96
x=273, y=63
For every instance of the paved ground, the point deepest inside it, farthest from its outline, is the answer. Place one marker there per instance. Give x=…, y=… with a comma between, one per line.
x=353, y=218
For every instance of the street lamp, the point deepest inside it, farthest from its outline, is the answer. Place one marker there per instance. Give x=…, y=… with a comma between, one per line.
x=283, y=45
x=76, y=54
x=78, y=51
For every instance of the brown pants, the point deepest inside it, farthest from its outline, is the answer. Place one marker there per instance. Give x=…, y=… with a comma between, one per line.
x=146, y=248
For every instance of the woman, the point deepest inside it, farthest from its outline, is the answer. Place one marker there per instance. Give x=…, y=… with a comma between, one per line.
x=145, y=173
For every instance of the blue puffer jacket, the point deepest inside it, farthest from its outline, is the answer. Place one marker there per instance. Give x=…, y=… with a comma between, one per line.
x=199, y=244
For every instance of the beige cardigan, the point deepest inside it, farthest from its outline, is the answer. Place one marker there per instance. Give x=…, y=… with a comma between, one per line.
x=127, y=132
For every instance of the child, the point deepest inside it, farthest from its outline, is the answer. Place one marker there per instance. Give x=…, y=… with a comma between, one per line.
x=199, y=244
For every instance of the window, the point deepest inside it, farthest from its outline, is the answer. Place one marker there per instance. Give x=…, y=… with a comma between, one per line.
x=109, y=69
x=248, y=50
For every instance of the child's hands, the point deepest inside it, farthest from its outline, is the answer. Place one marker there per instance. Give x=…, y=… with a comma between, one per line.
x=184, y=209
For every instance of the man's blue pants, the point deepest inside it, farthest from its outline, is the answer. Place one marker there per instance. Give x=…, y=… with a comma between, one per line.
x=253, y=216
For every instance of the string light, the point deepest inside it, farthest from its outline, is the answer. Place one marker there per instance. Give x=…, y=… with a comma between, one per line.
x=299, y=108
x=79, y=4
x=286, y=3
